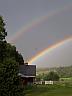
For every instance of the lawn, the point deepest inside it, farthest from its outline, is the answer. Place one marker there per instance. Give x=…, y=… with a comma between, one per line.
x=49, y=90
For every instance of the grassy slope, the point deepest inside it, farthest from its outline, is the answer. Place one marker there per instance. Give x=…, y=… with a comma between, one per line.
x=49, y=90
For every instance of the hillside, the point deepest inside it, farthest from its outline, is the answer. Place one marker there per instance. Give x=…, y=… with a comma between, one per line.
x=62, y=71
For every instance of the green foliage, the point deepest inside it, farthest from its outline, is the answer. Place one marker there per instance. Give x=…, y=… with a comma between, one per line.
x=52, y=76
x=63, y=72
x=2, y=50
x=7, y=51
x=48, y=76
x=9, y=80
x=38, y=77
x=3, y=32
x=19, y=58
x=10, y=59
x=11, y=52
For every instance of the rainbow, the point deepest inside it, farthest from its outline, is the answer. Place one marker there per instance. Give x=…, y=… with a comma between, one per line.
x=49, y=49
x=36, y=22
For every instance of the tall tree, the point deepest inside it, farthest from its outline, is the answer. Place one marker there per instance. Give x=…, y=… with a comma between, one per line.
x=9, y=66
x=3, y=32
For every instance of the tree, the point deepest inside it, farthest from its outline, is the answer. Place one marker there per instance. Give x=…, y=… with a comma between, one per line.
x=9, y=66
x=52, y=76
x=3, y=32
x=38, y=77
x=19, y=58
x=2, y=50
x=9, y=80
x=11, y=52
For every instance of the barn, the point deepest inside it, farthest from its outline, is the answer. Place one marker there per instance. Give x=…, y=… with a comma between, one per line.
x=27, y=74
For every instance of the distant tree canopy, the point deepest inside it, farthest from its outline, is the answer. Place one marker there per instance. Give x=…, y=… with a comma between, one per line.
x=10, y=60
x=63, y=72
x=52, y=76
x=38, y=77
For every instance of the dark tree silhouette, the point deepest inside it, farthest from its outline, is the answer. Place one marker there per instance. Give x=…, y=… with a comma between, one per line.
x=9, y=66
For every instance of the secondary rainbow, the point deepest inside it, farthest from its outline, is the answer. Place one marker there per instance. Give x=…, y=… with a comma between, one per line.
x=35, y=22
x=49, y=49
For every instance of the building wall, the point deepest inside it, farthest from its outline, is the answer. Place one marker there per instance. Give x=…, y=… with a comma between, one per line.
x=27, y=81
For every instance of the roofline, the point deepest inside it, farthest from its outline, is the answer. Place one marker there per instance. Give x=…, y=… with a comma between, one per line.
x=19, y=74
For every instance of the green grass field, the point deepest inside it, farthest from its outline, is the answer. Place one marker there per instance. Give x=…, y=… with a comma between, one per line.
x=49, y=90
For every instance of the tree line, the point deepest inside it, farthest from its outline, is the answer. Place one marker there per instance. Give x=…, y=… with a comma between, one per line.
x=50, y=76
x=54, y=73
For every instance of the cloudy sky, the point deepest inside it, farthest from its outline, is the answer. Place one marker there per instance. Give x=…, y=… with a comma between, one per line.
x=34, y=25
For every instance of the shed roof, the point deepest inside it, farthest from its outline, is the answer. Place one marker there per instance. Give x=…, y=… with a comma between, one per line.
x=27, y=70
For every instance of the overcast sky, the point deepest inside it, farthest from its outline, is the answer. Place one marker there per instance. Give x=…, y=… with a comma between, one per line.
x=19, y=13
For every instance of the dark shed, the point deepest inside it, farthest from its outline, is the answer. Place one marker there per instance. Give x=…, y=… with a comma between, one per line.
x=27, y=73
